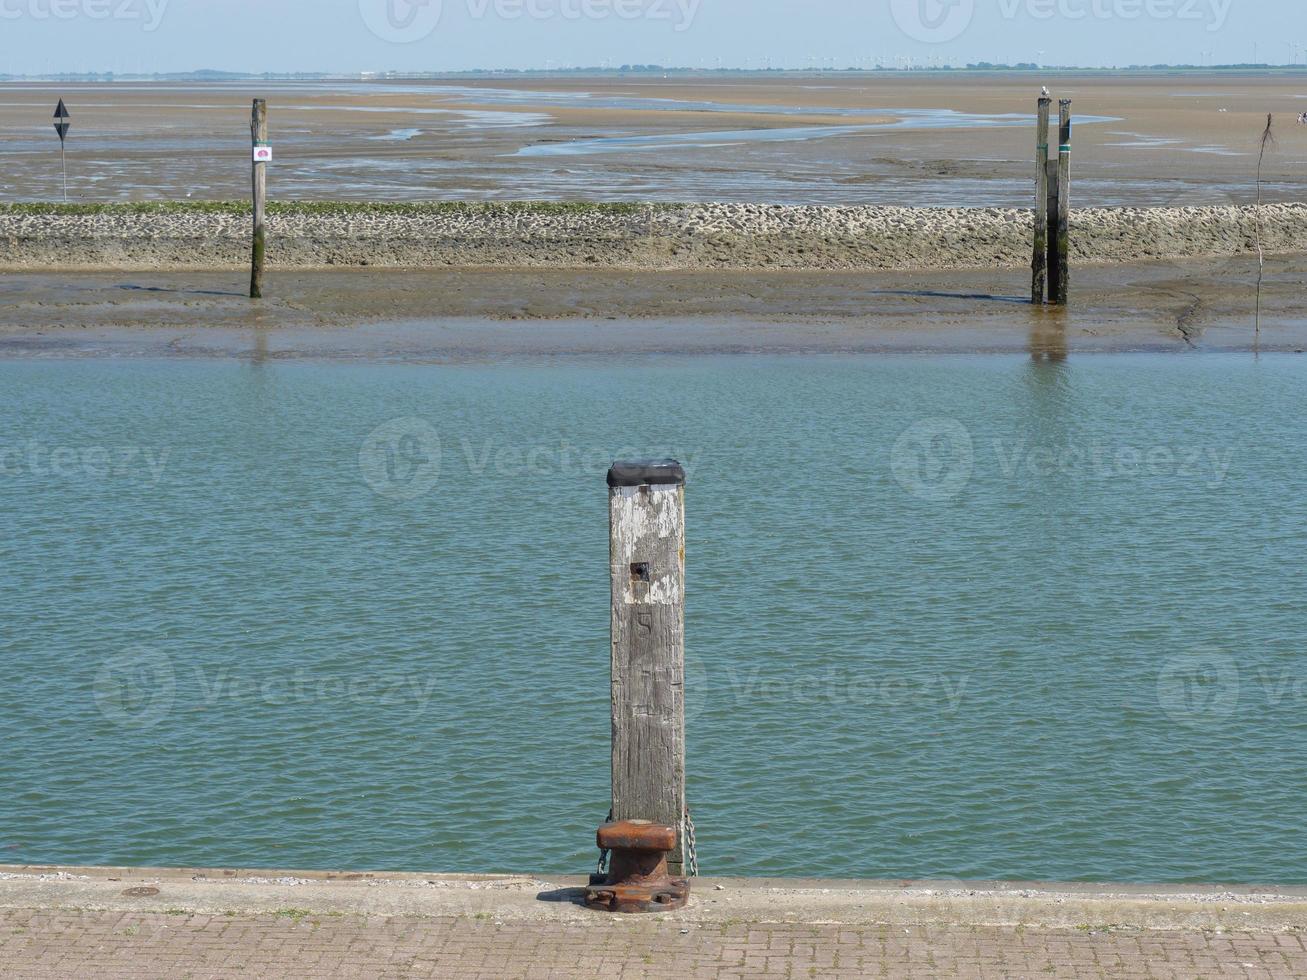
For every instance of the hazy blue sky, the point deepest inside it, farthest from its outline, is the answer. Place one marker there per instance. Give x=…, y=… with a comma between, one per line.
x=39, y=36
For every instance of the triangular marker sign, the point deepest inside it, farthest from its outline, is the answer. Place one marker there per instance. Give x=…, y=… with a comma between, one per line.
x=62, y=111
x=62, y=129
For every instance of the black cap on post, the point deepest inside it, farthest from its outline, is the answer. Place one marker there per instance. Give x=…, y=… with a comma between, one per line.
x=647, y=473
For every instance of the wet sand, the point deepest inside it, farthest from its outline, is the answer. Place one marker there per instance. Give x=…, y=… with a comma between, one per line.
x=472, y=139
x=462, y=314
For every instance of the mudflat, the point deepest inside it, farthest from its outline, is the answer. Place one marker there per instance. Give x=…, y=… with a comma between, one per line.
x=460, y=314
x=829, y=233
x=911, y=139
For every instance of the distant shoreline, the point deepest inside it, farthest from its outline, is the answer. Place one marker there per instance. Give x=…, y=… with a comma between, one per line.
x=634, y=237
x=983, y=68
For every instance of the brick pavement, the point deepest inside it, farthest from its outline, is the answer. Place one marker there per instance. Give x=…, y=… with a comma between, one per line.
x=122, y=944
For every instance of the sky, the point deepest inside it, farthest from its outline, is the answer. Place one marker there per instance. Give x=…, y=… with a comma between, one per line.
x=127, y=36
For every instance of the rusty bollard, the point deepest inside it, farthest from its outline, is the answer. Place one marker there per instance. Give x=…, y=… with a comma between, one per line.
x=637, y=880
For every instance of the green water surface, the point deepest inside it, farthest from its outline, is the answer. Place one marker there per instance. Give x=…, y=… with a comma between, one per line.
x=947, y=616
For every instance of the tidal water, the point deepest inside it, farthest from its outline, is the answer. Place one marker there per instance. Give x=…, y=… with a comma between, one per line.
x=918, y=119
x=947, y=616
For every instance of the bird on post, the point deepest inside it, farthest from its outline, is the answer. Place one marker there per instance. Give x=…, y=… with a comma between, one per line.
x=1045, y=92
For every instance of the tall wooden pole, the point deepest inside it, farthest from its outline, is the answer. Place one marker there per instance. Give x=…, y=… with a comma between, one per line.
x=647, y=566
x=259, y=137
x=1061, y=284
x=1054, y=257
x=1039, y=264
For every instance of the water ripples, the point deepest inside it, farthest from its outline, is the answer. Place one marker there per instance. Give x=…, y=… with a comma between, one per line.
x=1072, y=668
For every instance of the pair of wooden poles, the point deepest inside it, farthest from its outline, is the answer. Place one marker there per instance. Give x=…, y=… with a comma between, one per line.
x=1051, y=266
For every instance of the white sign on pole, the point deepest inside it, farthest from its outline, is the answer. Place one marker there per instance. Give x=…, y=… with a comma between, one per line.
x=263, y=154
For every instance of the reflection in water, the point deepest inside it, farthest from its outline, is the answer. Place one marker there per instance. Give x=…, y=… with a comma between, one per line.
x=259, y=354
x=1048, y=336
x=1050, y=416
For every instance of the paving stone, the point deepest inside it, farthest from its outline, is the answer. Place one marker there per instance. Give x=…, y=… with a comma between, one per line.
x=116, y=944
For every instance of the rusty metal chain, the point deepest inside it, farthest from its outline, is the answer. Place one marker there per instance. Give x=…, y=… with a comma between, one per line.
x=602, y=868
x=691, y=855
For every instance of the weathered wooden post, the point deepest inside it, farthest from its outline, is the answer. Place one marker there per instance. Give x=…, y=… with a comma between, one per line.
x=262, y=153
x=1039, y=264
x=647, y=569
x=1060, y=287
x=1054, y=256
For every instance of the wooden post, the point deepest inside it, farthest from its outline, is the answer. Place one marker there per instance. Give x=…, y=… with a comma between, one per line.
x=1039, y=264
x=646, y=502
x=1060, y=288
x=259, y=137
x=1054, y=257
